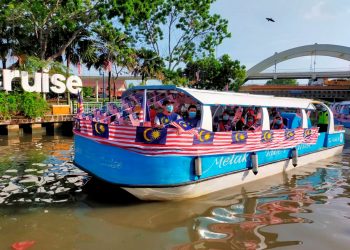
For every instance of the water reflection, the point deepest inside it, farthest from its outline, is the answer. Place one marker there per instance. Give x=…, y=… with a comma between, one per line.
x=308, y=206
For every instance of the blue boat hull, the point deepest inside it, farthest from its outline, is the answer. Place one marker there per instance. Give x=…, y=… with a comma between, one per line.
x=129, y=169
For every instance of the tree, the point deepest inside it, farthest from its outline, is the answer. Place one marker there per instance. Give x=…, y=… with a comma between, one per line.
x=111, y=46
x=55, y=24
x=175, y=77
x=148, y=64
x=186, y=27
x=218, y=74
x=88, y=91
x=291, y=82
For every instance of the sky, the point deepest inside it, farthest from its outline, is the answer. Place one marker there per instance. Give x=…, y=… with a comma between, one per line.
x=298, y=23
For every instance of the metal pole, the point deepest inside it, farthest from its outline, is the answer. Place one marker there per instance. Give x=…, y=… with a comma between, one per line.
x=103, y=87
x=144, y=105
x=96, y=91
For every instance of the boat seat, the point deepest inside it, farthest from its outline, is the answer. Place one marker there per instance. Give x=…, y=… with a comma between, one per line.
x=291, y=120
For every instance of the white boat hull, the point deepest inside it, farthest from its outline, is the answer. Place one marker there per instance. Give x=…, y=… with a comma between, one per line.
x=227, y=181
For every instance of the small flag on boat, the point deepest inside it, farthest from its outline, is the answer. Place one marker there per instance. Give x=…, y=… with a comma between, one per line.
x=239, y=137
x=184, y=127
x=266, y=136
x=151, y=135
x=100, y=129
x=181, y=124
x=80, y=105
x=204, y=137
x=77, y=124
x=134, y=120
x=289, y=134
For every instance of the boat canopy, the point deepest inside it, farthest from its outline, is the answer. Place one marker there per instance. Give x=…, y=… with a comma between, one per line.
x=211, y=97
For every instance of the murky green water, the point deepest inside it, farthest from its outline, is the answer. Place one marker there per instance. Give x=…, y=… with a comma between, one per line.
x=307, y=208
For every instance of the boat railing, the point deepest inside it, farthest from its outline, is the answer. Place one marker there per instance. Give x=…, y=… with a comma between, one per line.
x=89, y=107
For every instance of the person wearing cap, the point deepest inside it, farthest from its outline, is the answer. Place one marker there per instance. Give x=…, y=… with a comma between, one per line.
x=167, y=116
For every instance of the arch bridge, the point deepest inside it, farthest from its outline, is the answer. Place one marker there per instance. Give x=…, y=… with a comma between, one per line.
x=336, y=51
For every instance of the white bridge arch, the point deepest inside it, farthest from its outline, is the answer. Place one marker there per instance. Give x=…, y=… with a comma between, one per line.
x=336, y=51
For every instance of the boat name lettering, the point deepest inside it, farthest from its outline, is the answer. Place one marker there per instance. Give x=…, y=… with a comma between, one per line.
x=224, y=161
x=303, y=146
x=271, y=153
x=336, y=139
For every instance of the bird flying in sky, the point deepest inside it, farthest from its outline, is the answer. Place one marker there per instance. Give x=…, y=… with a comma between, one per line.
x=269, y=19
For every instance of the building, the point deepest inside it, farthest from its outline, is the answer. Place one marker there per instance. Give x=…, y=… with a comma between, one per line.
x=118, y=86
x=328, y=93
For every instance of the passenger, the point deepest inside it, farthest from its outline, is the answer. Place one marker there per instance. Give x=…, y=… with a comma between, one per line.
x=322, y=122
x=167, y=116
x=273, y=114
x=225, y=124
x=278, y=123
x=238, y=125
x=152, y=114
x=251, y=120
x=191, y=117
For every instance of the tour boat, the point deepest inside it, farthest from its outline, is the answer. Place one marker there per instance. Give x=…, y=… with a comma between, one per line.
x=341, y=112
x=178, y=161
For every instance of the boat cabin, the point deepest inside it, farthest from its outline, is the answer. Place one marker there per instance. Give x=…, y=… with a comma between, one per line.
x=214, y=106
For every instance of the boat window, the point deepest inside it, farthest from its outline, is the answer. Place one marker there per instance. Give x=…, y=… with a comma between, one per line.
x=236, y=118
x=285, y=118
x=319, y=117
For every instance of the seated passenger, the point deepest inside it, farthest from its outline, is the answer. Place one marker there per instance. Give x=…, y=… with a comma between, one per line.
x=152, y=114
x=277, y=123
x=251, y=120
x=167, y=116
x=225, y=124
x=191, y=117
x=273, y=114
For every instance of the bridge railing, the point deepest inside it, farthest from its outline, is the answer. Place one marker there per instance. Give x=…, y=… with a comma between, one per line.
x=90, y=106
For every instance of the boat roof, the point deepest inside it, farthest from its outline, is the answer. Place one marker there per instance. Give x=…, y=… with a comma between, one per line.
x=212, y=97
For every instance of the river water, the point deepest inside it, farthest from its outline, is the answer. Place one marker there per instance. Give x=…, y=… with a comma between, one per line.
x=306, y=208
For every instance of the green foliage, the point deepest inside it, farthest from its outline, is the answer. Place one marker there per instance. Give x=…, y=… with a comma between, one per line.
x=148, y=64
x=291, y=82
x=130, y=85
x=33, y=64
x=8, y=105
x=212, y=73
x=187, y=27
x=55, y=25
x=175, y=78
x=88, y=91
x=32, y=105
x=28, y=104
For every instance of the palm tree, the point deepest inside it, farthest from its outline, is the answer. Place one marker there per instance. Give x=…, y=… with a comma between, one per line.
x=149, y=64
x=111, y=47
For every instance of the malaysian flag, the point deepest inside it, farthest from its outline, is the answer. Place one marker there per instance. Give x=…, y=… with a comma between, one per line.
x=182, y=126
x=239, y=137
x=266, y=136
x=80, y=105
x=151, y=135
x=204, y=137
x=79, y=66
x=108, y=66
x=134, y=120
x=100, y=129
x=289, y=134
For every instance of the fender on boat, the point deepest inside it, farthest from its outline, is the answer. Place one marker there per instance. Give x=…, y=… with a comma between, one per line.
x=294, y=157
x=255, y=163
x=198, y=166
